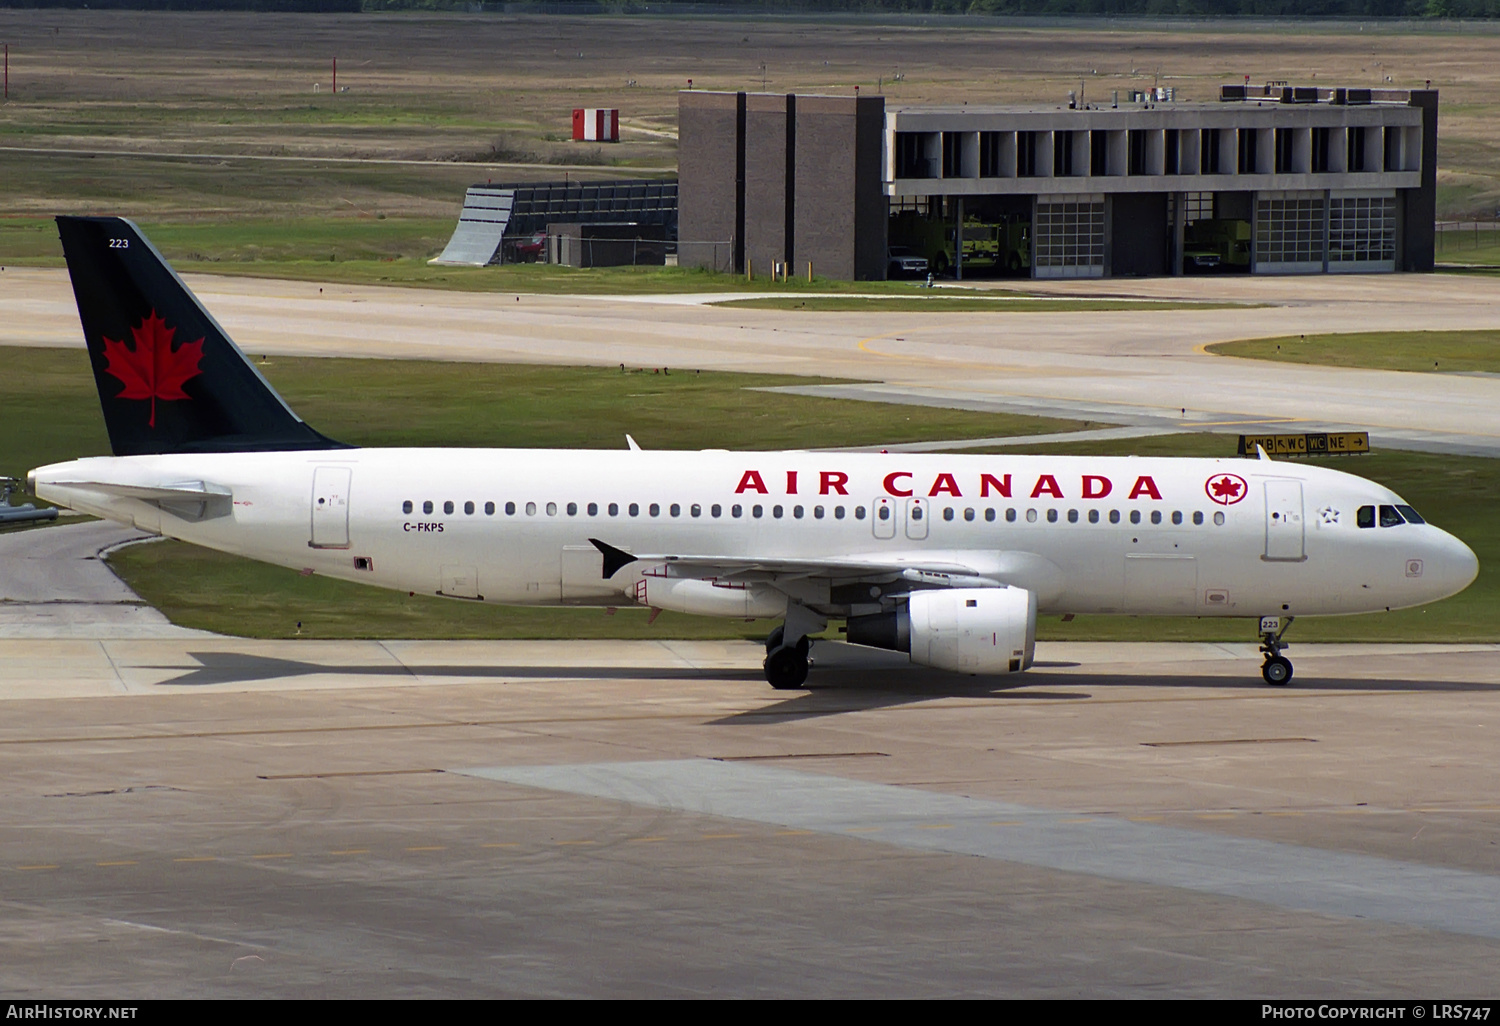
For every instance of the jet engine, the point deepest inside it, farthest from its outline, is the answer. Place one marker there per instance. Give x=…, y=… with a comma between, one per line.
x=967, y=630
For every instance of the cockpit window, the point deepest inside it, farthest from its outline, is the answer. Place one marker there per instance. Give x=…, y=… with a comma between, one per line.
x=1411, y=515
x=1389, y=517
x=1365, y=517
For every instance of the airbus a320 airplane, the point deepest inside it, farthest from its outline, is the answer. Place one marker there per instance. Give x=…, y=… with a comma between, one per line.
x=947, y=558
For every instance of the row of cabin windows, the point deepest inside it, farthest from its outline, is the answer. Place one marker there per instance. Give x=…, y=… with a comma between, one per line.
x=1389, y=516
x=819, y=512
x=1053, y=515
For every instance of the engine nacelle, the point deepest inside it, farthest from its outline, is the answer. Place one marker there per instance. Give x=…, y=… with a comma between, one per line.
x=710, y=598
x=967, y=630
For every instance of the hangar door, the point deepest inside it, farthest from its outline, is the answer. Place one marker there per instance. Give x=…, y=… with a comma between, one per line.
x=1069, y=236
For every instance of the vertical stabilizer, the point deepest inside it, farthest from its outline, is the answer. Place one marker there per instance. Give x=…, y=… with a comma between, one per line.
x=170, y=379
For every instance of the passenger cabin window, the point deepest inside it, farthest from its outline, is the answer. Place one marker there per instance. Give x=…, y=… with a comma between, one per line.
x=817, y=512
x=593, y=509
x=1114, y=516
x=448, y=506
x=1072, y=516
x=427, y=506
x=757, y=511
x=510, y=509
x=695, y=510
x=1389, y=517
x=1156, y=516
x=1219, y=519
x=948, y=513
x=1093, y=516
x=675, y=510
x=797, y=512
x=776, y=512
x=406, y=506
x=489, y=509
x=614, y=509
x=1010, y=515
x=859, y=512
x=635, y=509
x=989, y=515
x=468, y=509
x=531, y=509
x=1198, y=517
x=654, y=509
x=1135, y=516
x=1052, y=516
x=572, y=509
x=969, y=514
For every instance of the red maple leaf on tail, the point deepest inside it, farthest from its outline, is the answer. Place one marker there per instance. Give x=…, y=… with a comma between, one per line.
x=153, y=369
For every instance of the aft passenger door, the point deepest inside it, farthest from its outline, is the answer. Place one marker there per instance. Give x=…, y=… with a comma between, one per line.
x=330, y=508
x=1285, y=535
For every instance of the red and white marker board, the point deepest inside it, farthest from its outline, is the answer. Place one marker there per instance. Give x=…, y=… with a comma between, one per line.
x=596, y=124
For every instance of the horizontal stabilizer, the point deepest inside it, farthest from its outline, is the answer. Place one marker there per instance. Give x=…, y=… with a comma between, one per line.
x=189, y=500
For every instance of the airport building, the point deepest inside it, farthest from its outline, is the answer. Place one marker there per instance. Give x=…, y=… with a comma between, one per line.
x=1269, y=179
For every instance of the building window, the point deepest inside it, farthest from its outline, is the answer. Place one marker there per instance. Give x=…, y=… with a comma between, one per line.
x=1246, y=156
x=911, y=157
x=1062, y=154
x=989, y=155
x=1172, y=152
x=1026, y=154
x=1321, y=138
x=1208, y=151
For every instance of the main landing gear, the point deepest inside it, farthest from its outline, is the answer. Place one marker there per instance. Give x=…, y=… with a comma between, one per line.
x=786, y=665
x=1277, y=669
x=788, y=646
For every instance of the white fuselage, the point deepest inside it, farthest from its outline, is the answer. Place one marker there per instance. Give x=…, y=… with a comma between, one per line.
x=1200, y=537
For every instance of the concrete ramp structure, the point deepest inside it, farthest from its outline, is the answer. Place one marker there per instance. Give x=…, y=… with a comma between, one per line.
x=481, y=228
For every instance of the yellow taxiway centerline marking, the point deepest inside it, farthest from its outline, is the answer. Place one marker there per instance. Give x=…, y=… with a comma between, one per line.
x=197, y=858
x=575, y=842
x=718, y=837
x=1145, y=819
x=274, y=855
x=935, y=826
x=121, y=862
x=1006, y=822
x=36, y=867
x=1085, y=819
x=351, y=851
x=502, y=844
x=794, y=833
x=430, y=847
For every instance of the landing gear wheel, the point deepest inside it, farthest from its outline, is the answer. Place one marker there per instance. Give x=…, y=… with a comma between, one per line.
x=774, y=641
x=1277, y=671
x=786, y=668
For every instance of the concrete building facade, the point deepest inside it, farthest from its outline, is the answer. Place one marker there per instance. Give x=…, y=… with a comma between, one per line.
x=1269, y=179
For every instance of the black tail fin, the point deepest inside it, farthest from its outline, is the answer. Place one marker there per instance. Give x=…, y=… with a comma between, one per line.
x=169, y=378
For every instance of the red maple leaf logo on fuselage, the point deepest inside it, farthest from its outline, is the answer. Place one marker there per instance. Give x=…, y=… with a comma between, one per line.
x=152, y=369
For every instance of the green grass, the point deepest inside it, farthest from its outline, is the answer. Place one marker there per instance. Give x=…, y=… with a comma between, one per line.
x=928, y=302
x=1460, y=247
x=1442, y=351
x=49, y=410
x=375, y=250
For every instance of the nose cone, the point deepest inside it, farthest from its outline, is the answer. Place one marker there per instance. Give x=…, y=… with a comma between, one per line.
x=1451, y=565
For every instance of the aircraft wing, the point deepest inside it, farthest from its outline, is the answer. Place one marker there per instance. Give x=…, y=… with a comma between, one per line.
x=847, y=568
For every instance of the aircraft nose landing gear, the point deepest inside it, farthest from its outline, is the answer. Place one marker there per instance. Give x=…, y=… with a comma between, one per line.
x=1277, y=669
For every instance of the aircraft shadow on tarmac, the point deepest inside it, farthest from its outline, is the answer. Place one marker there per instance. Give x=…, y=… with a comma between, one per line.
x=833, y=690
